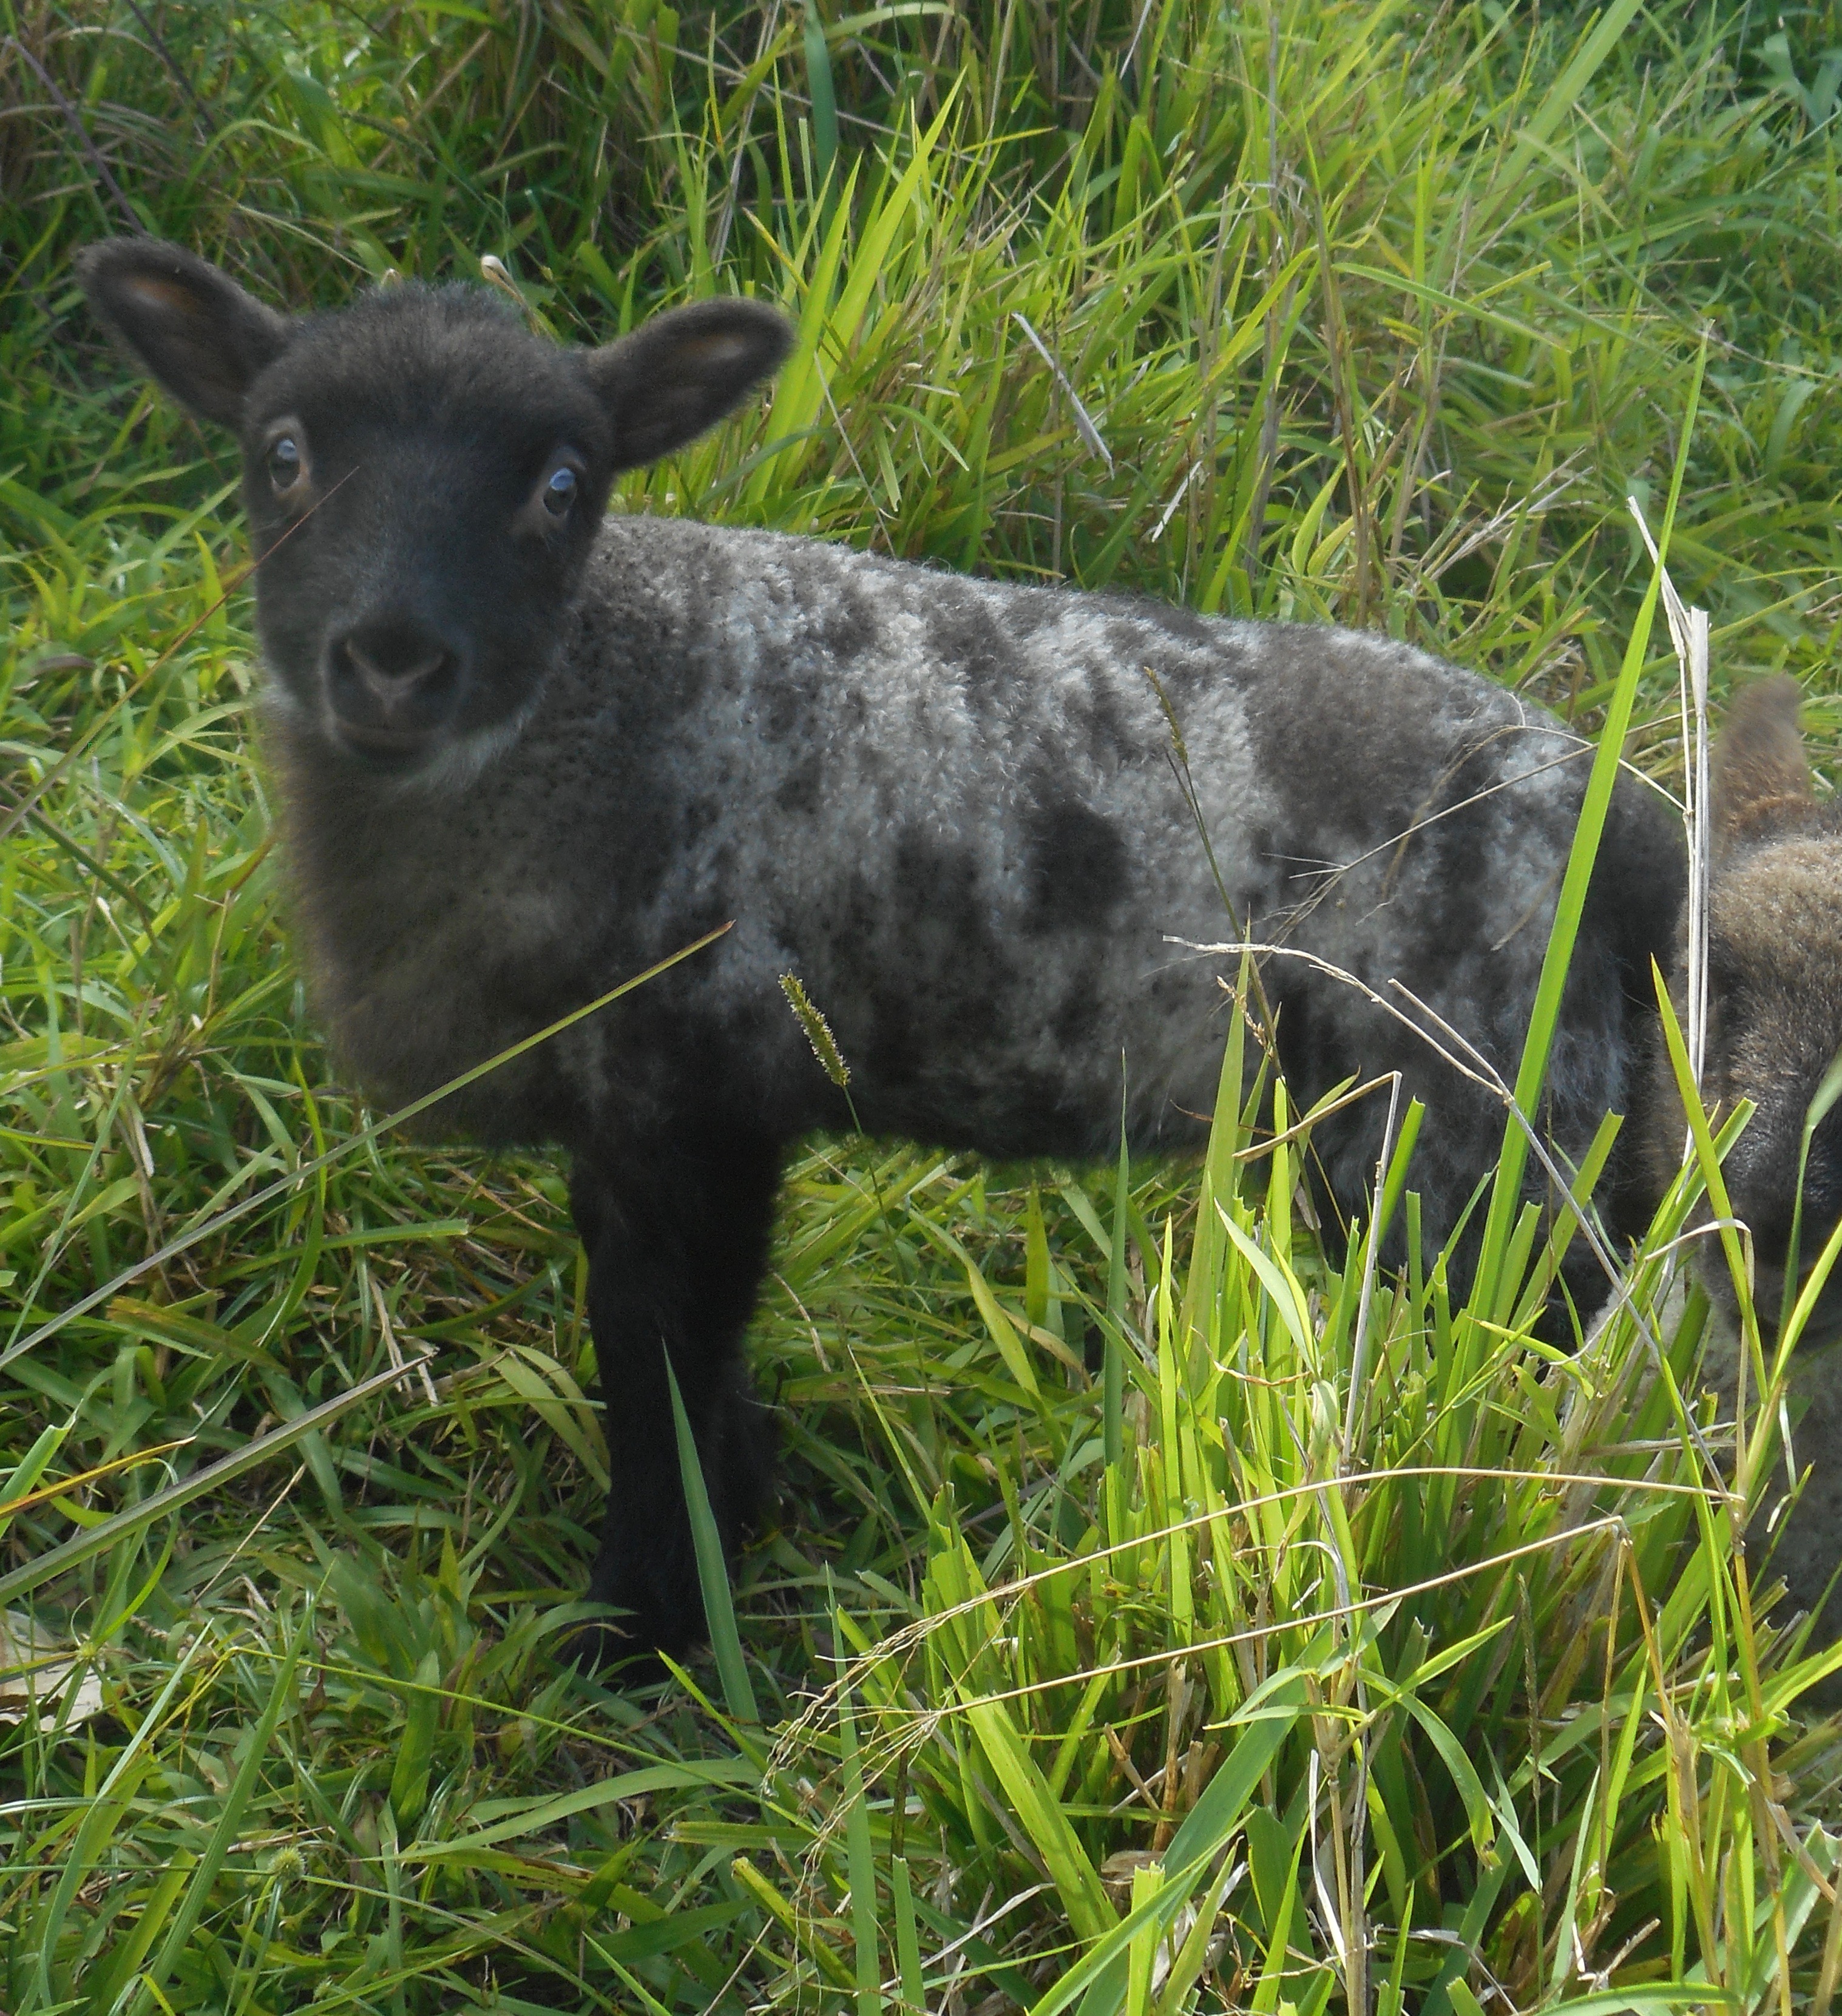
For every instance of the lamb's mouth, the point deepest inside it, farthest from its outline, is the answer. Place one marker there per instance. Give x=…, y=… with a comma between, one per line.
x=379, y=747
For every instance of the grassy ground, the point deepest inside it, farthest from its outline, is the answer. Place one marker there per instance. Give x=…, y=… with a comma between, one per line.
x=1356, y=1650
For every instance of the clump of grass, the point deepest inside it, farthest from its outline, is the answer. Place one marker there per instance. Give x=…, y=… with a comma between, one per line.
x=1326, y=1643
x=1405, y=1662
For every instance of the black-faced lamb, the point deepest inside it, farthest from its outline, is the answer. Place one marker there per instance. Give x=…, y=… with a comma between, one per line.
x=524, y=750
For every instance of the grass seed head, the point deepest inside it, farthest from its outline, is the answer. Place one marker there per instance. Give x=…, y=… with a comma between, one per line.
x=818, y=1031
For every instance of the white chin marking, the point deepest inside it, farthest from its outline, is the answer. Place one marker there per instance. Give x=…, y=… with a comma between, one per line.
x=457, y=763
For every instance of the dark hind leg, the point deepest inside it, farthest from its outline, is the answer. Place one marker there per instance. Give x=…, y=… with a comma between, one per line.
x=676, y=1236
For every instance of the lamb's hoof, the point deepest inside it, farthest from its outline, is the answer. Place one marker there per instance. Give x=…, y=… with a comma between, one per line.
x=617, y=1651
x=651, y=1615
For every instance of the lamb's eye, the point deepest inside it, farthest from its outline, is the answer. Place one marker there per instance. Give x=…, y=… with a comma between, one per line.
x=558, y=491
x=284, y=463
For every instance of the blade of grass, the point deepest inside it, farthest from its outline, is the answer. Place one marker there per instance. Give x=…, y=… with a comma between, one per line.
x=726, y=1643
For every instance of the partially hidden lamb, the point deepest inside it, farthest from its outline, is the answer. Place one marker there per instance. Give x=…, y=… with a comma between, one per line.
x=1774, y=1029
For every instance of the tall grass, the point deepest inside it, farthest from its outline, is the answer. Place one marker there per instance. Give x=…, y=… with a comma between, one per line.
x=1157, y=1617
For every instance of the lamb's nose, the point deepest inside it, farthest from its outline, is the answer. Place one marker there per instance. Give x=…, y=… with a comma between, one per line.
x=394, y=682
x=395, y=659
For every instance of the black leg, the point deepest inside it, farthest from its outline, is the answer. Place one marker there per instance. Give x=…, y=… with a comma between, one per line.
x=677, y=1243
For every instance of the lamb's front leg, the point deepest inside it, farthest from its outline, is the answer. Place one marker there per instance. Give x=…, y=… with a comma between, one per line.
x=676, y=1235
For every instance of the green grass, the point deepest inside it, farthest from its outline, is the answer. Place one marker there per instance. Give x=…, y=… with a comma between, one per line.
x=1395, y=1661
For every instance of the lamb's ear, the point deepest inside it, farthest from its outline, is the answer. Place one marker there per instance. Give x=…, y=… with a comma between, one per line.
x=681, y=371
x=195, y=330
x=1761, y=777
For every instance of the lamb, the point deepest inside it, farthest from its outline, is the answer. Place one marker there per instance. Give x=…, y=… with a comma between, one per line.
x=523, y=751
x=1775, y=1028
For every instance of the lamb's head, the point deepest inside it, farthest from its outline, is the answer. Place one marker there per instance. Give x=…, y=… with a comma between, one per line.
x=1775, y=999
x=424, y=477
